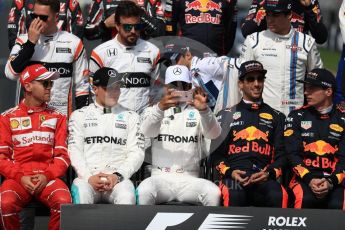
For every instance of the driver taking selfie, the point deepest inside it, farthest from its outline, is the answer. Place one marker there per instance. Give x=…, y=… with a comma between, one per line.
x=177, y=126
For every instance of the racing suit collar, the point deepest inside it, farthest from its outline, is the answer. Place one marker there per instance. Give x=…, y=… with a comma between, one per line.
x=282, y=37
x=47, y=38
x=33, y=109
x=322, y=116
x=101, y=109
x=123, y=47
x=250, y=106
x=104, y=110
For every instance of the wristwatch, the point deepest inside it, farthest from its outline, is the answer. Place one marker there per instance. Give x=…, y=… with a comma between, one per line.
x=119, y=176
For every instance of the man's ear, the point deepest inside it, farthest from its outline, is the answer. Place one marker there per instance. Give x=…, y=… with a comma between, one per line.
x=240, y=84
x=95, y=89
x=329, y=92
x=27, y=87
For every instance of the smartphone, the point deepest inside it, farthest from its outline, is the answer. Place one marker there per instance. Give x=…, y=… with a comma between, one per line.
x=183, y=96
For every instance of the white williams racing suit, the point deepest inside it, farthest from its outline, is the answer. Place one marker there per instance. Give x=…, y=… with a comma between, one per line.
x=229, y=93
x=62, y=52
x=138, y=61
x=107, y=143
x=176, y=155
x=286, y=59
x=208, y=73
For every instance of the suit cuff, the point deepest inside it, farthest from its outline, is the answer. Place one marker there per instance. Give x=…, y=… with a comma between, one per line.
x=307, y=178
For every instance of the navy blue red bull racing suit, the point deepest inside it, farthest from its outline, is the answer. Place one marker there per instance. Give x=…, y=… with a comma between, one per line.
x=251, y=141
x=210, y=22
x=315, y=144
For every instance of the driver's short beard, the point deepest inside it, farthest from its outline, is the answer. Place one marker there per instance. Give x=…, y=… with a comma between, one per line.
x=132, y=43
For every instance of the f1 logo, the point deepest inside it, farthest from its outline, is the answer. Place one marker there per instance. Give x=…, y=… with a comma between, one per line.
x=167, y=219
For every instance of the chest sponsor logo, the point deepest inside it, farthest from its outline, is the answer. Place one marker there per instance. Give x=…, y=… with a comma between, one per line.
x=320, y=148
x=190, y=124
x=236, y=115
x=111, y=52
x=120, y=126
x=143, y=60
x=64, y=72
x=250, y=133
x=307, y=134
x=20, y=123
x=14, y=124
x=251, y=146
x=294, y=48
x=105, y=139
x=120, y=117
x=266, y=116
x=63, y=50
x=336, y=127
x=137, y=80
x=288, y=133
x=266, y=121
x=49, y=123
x=90, y=124
x=191, y=115
x=177, y=139
x=306, y=124
x=236, y=123
x=210, y=12
x=23, y=140
x=204, y=6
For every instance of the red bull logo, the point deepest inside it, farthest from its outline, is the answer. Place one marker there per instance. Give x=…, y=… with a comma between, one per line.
x=194, y=5
x=320, y=148
x=320, y=162
x=203, y=6
x=250, y=133
x=252, y=146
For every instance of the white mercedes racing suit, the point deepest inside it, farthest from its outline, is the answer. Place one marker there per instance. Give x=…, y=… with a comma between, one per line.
x=286, y=58
x=61, y=52
x=176, y=154
x=108, y=143
x=138, y=61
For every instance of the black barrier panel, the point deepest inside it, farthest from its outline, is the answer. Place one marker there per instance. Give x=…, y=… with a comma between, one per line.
x=105, y=216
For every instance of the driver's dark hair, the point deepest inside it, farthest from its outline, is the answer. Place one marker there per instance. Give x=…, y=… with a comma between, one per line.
x=54, y=4
x=127, y=9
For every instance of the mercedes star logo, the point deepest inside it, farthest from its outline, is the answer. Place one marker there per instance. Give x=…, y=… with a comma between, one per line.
x=111, y=73
x=177, y=71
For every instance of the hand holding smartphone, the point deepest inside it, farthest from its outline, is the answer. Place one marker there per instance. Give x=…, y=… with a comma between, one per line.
x=183, y=96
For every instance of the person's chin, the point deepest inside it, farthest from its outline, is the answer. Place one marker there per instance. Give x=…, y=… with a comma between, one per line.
x=132, y=40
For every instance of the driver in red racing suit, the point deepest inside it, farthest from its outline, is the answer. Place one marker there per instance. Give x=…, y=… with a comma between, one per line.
x=33, y=151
